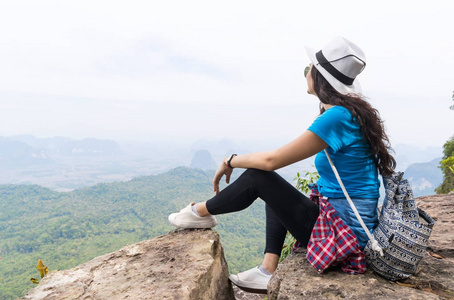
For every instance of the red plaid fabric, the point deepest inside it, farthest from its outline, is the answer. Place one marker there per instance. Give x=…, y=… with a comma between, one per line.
x=332, y=242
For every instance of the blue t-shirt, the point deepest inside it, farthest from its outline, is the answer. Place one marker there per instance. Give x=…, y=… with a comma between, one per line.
x=355, y=164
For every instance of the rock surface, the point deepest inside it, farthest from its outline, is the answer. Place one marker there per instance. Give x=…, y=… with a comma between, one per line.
x=295, y=278
x=243, y=295
x=441, y=208
x=187, y=264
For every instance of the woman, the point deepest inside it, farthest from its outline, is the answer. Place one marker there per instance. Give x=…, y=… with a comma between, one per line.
x=353, y=134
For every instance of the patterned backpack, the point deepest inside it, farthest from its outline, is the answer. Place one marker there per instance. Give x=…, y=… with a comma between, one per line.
x=399, y=242
x=403, y=232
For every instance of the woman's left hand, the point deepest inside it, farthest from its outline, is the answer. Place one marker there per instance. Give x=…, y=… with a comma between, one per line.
x=222, y=170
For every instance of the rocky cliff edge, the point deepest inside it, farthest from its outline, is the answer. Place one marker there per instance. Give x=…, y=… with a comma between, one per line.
x=186, y=264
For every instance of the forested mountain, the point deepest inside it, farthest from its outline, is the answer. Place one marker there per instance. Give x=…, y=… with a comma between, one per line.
x=66, y=229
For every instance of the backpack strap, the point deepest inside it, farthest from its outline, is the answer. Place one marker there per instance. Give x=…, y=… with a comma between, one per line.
x=374, y=243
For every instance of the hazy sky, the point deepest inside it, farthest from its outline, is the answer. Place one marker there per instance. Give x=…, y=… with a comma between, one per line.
x=216, y=69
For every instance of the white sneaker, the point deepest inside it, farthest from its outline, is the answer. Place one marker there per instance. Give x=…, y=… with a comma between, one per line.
x=252, y=280
x=186, y=218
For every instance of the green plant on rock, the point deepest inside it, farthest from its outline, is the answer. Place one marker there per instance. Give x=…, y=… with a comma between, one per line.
x=302, y=184
x=42, y=269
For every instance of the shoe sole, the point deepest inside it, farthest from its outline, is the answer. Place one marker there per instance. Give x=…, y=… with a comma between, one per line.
x=193, y=225
x=249, y=289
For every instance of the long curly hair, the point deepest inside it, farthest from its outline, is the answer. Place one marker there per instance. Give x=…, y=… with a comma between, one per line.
x=371, y=124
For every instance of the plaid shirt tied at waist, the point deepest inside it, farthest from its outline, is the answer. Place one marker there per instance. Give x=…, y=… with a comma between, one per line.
x=332, y=242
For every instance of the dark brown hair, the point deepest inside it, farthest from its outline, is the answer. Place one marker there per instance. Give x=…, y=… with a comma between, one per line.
x=371, y=124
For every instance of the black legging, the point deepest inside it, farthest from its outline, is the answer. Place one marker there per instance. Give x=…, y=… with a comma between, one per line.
x=286, y=207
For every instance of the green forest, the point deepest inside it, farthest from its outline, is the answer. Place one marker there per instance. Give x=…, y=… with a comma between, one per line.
x=67, y=229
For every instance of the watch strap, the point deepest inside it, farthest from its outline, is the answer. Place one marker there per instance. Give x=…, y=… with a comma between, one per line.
x=230, y=160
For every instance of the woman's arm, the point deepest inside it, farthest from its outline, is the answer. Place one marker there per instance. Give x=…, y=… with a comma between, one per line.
x=304, y=146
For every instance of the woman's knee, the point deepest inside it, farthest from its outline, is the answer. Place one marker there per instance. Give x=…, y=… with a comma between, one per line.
x=257, y=174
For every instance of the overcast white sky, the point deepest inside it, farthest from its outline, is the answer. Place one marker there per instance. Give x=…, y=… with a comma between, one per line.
x=216, y=69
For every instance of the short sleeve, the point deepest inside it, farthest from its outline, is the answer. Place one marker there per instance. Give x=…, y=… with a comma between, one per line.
x=336, y=128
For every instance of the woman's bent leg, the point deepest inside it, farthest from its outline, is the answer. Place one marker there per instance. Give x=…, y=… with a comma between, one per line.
x=286, y=209
x=294, y=210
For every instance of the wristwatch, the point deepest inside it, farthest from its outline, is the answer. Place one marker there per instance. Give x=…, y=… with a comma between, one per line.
x=230, y=160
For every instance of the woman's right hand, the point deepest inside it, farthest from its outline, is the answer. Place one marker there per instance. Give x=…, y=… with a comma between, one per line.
x=222, y=170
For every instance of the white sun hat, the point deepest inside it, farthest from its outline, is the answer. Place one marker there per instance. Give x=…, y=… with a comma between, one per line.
x=340, y=62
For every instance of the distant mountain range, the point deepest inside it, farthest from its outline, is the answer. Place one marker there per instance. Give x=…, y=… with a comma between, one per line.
x=16, y=154
x=64, y=164
x=424, y=177
x=420, y=167
x=26, y=146
x=406, y=155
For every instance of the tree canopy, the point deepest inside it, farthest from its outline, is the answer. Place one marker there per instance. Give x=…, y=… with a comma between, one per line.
x=447, y=167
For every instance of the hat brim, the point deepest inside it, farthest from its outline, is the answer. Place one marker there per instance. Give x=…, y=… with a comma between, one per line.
x=355, y=88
